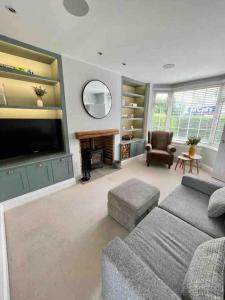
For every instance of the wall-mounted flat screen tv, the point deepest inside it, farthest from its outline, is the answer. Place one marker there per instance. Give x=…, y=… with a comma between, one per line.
x=21, y=137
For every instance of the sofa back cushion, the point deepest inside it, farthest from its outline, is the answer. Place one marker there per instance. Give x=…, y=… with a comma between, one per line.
x=161, y=139
x=216, y=206
x=204, y=279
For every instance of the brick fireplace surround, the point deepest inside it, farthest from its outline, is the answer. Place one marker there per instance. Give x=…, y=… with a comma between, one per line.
x=98, y=140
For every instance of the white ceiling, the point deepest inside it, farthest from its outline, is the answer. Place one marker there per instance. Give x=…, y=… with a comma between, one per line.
x=145, y=34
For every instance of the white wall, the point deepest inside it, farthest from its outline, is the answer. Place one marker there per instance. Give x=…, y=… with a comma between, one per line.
x=76, y=75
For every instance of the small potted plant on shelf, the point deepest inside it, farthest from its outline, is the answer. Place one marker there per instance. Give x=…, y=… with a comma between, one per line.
x=40, y=92
x=193, y=142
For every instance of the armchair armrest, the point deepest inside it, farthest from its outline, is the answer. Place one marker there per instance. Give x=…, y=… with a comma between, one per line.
x=200, y=185
x=148, y=147
x=126, y=276
x=171, y=149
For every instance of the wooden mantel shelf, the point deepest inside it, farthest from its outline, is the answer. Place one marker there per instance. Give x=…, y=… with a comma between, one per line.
x=95, y=133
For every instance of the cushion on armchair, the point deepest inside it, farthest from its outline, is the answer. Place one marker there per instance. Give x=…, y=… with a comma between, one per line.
x=216, y=206
x=204, y=279
x=171, y=148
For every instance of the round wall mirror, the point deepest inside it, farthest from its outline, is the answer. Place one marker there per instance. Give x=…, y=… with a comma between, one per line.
x=97, y=99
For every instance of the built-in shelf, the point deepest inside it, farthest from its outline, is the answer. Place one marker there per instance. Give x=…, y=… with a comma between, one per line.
x=32, y=107
x=19, y=75
x=133, y=95
x=135, y=129
x=132, y=119
x=127, y=106
x=124, y=142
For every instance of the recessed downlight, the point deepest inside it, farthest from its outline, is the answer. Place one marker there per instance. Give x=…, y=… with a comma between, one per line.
x=78, y=8
x=168, y=66
x=10, y=9
x=100, y=53
x=124, y=64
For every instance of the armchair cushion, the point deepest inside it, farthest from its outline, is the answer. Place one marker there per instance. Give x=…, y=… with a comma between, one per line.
x=171, y=148
x=158, y=153
x=148, y=147
x=160, y=140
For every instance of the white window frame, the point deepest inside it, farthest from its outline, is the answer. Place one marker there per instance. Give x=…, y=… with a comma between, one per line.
x=171, y=91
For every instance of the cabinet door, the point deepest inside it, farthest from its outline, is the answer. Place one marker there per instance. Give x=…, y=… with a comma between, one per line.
x=140, y=147
x=133, y=149
x=13, y=183
x=39, y=175
x=62, y=169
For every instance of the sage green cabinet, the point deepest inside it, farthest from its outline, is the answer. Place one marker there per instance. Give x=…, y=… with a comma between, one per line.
x=39, y=175
x=13, y=183
x=62, y=169
x=137, y=148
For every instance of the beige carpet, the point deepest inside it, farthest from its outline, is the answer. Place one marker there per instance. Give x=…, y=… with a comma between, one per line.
x=55, y=243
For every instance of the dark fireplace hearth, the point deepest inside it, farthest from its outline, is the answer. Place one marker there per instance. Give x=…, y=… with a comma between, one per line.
x=97, y=149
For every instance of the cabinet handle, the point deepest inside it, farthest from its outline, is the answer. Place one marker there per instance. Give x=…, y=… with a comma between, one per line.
x=40, y=165
x=10, y=172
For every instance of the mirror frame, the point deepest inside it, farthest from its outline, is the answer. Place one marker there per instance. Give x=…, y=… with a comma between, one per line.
x=83, y=99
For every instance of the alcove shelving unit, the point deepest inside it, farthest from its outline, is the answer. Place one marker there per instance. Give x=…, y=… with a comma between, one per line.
x=23, y=67
x=134, y=106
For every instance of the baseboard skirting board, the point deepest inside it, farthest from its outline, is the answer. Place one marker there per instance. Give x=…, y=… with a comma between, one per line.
x=26, y=198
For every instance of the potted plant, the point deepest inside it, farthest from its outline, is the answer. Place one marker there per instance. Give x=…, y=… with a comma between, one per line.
x=192, y=142
x=40, y=92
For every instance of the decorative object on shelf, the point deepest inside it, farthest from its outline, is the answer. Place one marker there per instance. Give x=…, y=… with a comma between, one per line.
x=97, y=99
x=40, y=92
x=131, y=116
x=127, y=137
x=133, y=104
x=123, y=102
x=193, y=142
x=17, y=68
x=3, y=100
x=124, y=116
x=131, y=127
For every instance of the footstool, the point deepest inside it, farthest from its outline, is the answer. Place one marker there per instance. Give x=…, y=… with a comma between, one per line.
x=131, y=201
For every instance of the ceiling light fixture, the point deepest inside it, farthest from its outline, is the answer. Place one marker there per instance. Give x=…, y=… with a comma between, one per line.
x=168, y=66
x=78, y=8
x=124, y=64
x=100, y=53
x=10, y=9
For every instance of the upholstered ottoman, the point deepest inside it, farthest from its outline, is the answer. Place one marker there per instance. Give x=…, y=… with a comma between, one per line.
x=131, y=201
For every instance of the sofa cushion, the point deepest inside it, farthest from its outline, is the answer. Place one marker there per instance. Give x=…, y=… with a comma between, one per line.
x=158, y=153
x=192, y=207
x=163, y=242
x=205, y=276
x=216, y=206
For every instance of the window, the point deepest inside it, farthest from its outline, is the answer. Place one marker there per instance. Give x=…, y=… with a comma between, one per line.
x=199, y=112
x=221, y=117
x=160, y=111
x=193, y=113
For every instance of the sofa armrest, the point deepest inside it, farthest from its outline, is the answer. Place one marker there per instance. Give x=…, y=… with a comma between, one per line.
x=148, y=147
x=126, y=276
x=200, y=185
x=171, y=149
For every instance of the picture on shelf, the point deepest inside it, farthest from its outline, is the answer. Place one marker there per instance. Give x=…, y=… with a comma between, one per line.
x=40, y=92
x=17, y=68
x=3, y=100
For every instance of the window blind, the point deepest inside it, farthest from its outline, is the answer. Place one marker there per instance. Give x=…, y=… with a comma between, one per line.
x=193, y=112
x=160, y=111
x=221, y=117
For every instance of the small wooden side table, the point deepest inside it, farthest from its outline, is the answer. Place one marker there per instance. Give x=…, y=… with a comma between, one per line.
x=196, y=158
x=182, y=161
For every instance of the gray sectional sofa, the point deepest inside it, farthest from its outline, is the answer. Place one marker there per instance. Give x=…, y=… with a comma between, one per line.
x=152, y=261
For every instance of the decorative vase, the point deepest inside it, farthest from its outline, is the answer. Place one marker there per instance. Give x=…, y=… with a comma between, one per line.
x=192, y=150
x=39, y=102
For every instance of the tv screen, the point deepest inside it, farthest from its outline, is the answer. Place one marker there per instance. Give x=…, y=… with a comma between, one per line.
x=21, y=137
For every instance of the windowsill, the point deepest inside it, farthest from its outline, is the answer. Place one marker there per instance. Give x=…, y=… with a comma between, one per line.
x=211, y=147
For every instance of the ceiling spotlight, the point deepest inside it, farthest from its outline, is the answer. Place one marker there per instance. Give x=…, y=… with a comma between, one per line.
x=11, y=9
x=100, y=53
x=78, y=8
x=124, y=64
x=168, y=66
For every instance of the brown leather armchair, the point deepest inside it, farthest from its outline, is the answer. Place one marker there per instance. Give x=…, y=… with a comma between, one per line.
x=159, y=147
